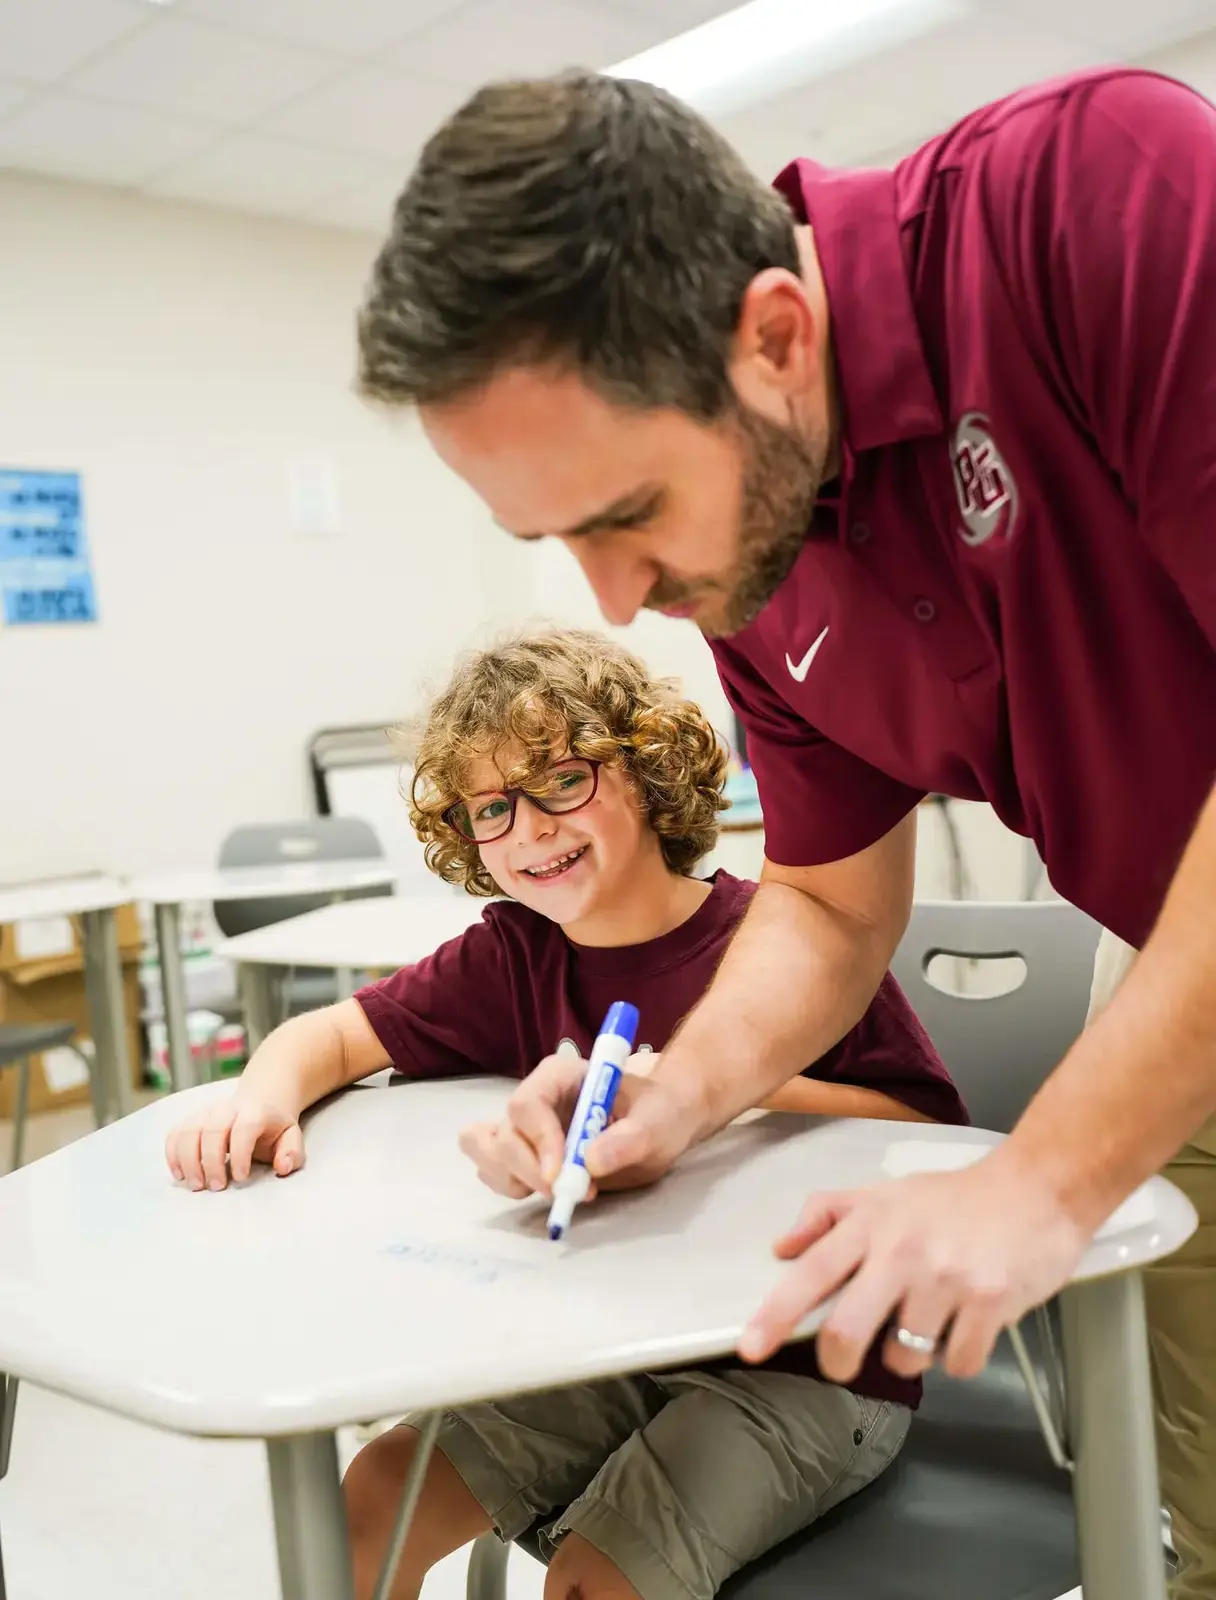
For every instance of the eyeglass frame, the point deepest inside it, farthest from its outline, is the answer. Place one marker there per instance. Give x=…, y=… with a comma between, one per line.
x=513, y=796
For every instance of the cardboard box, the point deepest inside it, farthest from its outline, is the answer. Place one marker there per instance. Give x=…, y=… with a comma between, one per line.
x=42, y=980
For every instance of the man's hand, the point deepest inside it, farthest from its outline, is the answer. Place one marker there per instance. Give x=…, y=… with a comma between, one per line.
x=953, y=1257
x=522, y=1154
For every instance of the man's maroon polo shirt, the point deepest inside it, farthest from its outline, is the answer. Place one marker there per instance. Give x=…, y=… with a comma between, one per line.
x=1010, y=592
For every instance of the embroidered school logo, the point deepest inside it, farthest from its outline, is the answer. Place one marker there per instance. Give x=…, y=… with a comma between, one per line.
x=987, y=494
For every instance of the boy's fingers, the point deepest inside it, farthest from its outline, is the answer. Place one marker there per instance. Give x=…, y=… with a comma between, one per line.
x=535, y=1110
x=172, y=1157
x=288, y=1152
x=214, y=1147
x=242, y=1143
x=189, y=1150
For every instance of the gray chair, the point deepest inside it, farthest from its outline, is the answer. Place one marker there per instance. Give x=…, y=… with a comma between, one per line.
x=18, y=1042
x=271, y=844
x=973, y=1505
x=276, y=843
x=1000, y=1047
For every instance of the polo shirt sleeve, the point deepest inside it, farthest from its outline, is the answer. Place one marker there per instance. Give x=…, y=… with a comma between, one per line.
x=820, y=803
x=1132, y=290
x=451, y=1014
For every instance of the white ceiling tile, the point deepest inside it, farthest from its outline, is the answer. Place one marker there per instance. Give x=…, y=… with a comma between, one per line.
x=42, y=39
x=523, y=38
x=194, y=69
x=901, y=97
x=101, y=143
x=11, y=96
x=1116, y=28
x=263, y=174
x=383, y=113
x=353, y=29
x=673, y=17
x=367, y=207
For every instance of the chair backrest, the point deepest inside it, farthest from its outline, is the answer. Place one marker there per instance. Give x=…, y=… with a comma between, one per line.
x=308, y=839
x=1000, y=1047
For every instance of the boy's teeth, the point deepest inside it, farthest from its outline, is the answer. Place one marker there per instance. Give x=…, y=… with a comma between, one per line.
x=553, y=866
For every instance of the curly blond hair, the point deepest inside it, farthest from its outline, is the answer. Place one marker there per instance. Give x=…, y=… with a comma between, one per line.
x=565, y=692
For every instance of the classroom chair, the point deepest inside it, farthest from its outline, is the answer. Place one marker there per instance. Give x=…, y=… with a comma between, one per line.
x=308, y=839
x=974, y=1505
x=18, y=1042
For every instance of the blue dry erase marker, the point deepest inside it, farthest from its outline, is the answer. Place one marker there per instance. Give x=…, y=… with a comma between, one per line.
x=609, y=1054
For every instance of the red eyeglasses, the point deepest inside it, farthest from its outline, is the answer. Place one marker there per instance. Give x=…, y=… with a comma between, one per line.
x=566, y=786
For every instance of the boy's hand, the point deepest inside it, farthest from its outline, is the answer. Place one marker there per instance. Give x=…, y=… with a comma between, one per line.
x=649, y=1131
x=522, y=1154
x=230, y=1136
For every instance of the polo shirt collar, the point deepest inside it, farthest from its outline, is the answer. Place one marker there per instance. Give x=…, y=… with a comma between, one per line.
x=886, y=392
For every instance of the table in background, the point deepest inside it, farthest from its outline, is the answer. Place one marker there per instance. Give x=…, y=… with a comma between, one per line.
x=377, y=935
x=168, y=892
x=351, y=1291
x=92, y=901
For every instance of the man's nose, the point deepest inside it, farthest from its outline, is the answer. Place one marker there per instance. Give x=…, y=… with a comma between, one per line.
x=619, y=581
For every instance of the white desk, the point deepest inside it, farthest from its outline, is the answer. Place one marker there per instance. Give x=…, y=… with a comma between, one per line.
x=351, y=935
x=92, y=900
x=371, y=1282
x=168, y=892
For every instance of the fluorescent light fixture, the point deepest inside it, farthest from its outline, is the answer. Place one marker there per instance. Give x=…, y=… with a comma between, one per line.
x=769, y=46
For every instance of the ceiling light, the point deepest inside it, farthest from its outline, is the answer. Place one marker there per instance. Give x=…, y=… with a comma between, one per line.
x=769, y=46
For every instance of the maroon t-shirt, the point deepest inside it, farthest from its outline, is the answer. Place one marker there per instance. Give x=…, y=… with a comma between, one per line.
x=504, y=994
x=1009, y=594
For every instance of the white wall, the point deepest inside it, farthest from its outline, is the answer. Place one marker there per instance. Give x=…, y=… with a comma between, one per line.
x=179, y=357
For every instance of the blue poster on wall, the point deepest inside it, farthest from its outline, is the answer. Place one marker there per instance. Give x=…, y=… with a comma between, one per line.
x=45, y=573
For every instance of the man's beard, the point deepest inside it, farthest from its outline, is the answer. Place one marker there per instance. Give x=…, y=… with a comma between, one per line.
x=782, y=472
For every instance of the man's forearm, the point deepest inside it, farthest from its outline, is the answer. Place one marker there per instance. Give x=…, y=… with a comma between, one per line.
x=1142, y=1079
x=796, y=977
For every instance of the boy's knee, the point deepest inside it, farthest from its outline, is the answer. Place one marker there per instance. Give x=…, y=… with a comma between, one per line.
x=374, y=1480
x=446, y=1517
x=581, y=1572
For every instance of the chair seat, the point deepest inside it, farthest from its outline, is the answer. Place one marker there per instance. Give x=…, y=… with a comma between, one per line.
x=931, y=1525
x=21, y=1039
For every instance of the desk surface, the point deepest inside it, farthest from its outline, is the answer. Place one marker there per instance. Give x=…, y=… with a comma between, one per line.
x=384, y=1277
x=380, y=934
x=261, y=883
x=62, y=897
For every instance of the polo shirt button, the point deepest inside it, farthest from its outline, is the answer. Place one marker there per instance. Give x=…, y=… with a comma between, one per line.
x=859, y=533
x=924, y=610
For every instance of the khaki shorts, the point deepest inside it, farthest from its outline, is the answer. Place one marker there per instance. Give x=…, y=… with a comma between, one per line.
x=679, y=1479
x=1180, y=1299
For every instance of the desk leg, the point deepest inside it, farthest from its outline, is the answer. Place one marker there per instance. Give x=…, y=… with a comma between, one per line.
x=8, y=1412
x=257, y=1001
x=1110, y=1423
x=173, y=997
x=8, y=1408
x=310, y=1517
x=103, y=983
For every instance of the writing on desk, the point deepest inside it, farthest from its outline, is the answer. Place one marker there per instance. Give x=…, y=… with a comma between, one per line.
x=478, y=1268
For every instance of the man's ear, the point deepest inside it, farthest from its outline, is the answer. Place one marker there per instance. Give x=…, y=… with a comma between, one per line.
x=775, y=351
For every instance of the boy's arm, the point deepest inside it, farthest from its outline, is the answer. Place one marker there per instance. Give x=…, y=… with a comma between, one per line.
x=313, y=1056
x=813, y=1098
x=299, y=1064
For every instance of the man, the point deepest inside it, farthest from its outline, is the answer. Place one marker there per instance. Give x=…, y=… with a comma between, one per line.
x=931, y=457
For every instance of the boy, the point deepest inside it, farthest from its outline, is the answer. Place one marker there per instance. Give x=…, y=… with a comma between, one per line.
x=556, y=772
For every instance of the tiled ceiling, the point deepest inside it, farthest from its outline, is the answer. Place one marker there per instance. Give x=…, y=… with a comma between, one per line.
x=317, y=108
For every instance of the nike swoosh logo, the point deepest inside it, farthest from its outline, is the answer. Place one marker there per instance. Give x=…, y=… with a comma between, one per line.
x=799, y=670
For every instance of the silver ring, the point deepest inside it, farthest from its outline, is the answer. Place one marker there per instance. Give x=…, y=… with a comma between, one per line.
x=920, y=1344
